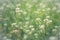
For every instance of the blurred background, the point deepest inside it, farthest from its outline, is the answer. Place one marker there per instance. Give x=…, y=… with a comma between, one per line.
x=29, y=19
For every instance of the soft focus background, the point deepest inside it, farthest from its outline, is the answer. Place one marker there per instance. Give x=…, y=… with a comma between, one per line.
x=29, y=19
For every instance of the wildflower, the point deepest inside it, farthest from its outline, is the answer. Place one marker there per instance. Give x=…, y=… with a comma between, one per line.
x=14, y=25
x=54, y=30
x=38, y=19
x=20, y=22
x=5, y=24
x=25, y=36
x=45, y=20
x=48, y=9
x=50, y=21
x=30, y=32
x=47, y=17
x=42, y=5
x=27, y=22
x=58, y=11
x=52, y=38
x=18, y=5
x=41, y=26
x=30, y=26
x=54, y=8
x=32, y=29
x=17, y=10
x=43, y=10
x=36, y=35
x=28, y=5
x=36, y=11
x=27, y=18
x=27, y=31
x=15, y=31
x=24, y=12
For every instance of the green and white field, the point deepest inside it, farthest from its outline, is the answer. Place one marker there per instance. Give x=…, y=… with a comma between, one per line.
x=29, y=19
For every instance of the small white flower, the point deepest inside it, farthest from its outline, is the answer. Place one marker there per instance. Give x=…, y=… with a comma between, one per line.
x=54, y=8
x=45, y=20
x=20, y=22
x=41, y=4
x=17, y=10
x=35, y=34
x=54, y=30
x=13, y=24
x=30, y=32
x=32, y=29
x=25, y=36
x=58, y=11
x=47, y=16
x=27, y=22
x=43, y=10
x=38, y=19
x=52, y=38
x=30, y=26
x=15, y=31
x=5, y=24
x=27, y=31
x=24, y=12
x=42, y=26
x=18, y=5
x=50, y=21
x=36, y=11
x=48, y=9
x=28, y=5
x=27, y=18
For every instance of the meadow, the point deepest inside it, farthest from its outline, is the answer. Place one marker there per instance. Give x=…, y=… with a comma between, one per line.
x=30, y=19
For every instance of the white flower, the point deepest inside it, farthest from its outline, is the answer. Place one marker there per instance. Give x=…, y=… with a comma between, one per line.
x=15, y=31
x=43, y=10
x=30, y=26
x=27, y=22
x=54, y=30
x=27, y=18
x=48, y=9
x=42, y=5
x=38, y=19
x=28, y=5
x=24, y=12
x=41, y=26
x=25, y=36
x=17, y=10
x=32, y=29
x=20, y=22
x=50, y=21
x=18, y=5
x=56, y=26
x=27, y=31
x=58, y=11
x=47, y=16
x=36, y=11
x=5, y=24
x=54, y=8
x=14, y=25
x=36, y=35
x=52, y=38
x=30, y=32
x=45, y=20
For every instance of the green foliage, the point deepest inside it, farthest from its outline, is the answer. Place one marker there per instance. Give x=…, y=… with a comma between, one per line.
x=29, y=20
